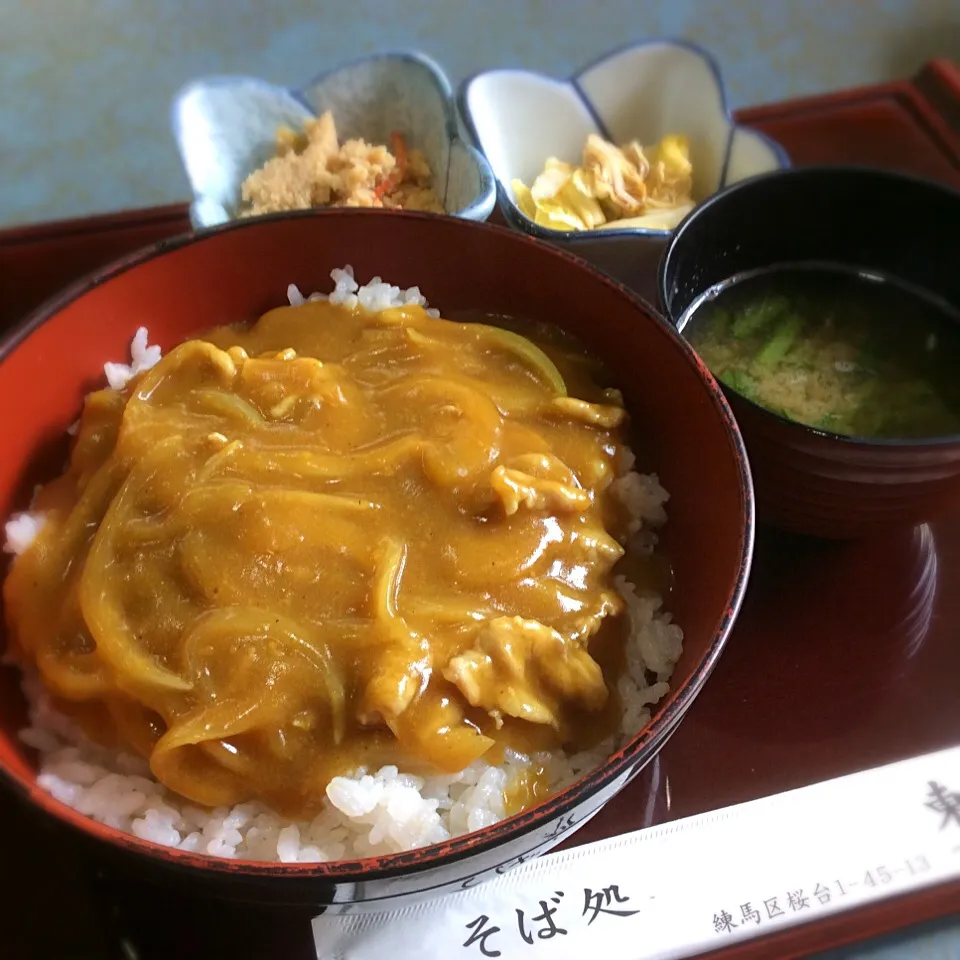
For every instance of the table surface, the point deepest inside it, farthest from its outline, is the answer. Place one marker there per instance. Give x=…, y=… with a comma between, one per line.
x=794, y=698
x=87, y=84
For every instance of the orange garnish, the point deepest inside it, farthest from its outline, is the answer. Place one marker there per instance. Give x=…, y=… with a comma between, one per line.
x=399, y=147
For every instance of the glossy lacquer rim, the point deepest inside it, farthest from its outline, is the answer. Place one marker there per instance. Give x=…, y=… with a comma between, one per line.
x=638, y=750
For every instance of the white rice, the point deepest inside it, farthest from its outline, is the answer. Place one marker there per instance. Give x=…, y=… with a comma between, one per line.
x=374, y=296
x=20, y=531
x=371, y=812
x=142, y=357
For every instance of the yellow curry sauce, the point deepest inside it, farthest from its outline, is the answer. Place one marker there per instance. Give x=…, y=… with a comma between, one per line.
x=263, y=569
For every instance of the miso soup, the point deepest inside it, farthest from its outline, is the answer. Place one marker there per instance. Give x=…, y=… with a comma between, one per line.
x=836, y=349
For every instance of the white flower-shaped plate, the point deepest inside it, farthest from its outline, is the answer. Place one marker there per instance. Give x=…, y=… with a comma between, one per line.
x=226, y=126
x=643, y=91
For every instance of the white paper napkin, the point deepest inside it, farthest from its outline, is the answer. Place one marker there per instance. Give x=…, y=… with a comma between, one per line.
x=692, y=885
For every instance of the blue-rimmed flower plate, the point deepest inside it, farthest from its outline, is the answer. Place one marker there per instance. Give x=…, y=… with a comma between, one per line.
x=643, y=91
x=226, y=127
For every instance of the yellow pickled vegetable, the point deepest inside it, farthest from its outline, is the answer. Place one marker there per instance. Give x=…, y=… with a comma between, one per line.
x=670, y=180
x=614, y=187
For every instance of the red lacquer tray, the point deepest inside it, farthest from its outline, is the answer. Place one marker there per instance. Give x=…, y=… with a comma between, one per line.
x=843, y=658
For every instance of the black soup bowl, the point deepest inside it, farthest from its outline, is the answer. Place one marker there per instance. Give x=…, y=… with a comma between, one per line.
x=808, y=480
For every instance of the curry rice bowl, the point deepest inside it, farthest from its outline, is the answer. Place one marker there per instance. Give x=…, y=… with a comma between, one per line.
x=370, y=812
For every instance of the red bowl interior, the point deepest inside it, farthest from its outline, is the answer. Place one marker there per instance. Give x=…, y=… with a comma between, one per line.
x=686, y=431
